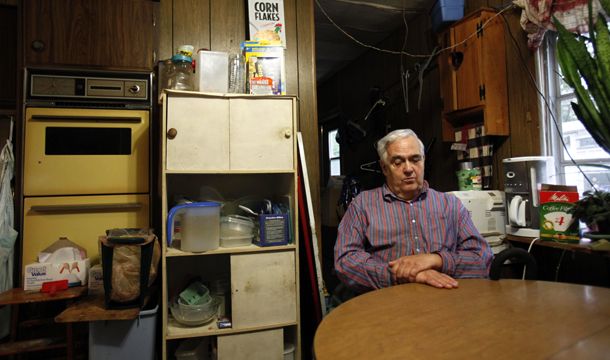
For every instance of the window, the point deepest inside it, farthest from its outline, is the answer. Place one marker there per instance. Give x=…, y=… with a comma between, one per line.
x=578, y=142
x=334, y=153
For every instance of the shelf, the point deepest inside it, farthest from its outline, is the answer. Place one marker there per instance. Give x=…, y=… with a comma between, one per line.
x=176, y=330
x=175, y=251
x=228, y=172
x=582, y=246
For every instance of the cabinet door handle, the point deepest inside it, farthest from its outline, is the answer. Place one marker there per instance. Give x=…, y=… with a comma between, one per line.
x=288, y=134
x=38, y=46
x=171, y=133
x=70, y=207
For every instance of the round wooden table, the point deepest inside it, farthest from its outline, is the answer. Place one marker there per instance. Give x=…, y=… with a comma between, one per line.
x=482, y=319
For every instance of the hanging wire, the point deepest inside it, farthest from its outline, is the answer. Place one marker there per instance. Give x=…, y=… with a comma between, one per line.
x=403, y=52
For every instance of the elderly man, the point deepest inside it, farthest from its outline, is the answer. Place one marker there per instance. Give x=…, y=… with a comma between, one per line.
x=406, y=232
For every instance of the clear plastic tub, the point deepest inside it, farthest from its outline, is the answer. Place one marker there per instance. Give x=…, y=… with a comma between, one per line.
x=193, y=349
x=195, y=315
x=235, y=225
x=235, y=241
x=212, y=71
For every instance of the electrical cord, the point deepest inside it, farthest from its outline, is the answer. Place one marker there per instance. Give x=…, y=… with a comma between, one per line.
x=544, y=98
x=402, y=52
x=528, y=250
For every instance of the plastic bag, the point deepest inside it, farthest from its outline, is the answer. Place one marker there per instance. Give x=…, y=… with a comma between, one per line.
x=126, y=265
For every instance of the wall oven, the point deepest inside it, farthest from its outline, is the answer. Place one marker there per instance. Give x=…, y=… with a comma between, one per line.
x=86, y=159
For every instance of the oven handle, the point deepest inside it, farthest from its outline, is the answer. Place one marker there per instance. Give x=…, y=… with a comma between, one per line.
x=87, y=118
x=123, y=206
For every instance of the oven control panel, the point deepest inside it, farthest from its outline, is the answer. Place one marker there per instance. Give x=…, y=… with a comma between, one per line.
x=64, y=86
x=87, y=85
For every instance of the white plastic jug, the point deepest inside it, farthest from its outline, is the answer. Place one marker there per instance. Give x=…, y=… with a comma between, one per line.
x=199, y=226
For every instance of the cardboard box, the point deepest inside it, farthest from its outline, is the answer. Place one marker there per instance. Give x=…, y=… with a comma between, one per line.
x=329, y=198
x=555, y=223
x=96, y=280
x=265, y=60
x=270, y=230
x=77, y=272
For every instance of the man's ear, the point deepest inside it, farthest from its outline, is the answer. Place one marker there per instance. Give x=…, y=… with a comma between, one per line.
x=383, y=167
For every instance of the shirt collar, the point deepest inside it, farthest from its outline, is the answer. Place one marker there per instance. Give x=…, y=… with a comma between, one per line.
x=389, y=195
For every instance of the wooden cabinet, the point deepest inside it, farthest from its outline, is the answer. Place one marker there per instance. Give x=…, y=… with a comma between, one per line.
x=473, y=75
x=240, y=145
x=113, y=34
x=248, y=134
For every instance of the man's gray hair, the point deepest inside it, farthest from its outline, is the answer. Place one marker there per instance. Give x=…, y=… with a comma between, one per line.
x=382, y=145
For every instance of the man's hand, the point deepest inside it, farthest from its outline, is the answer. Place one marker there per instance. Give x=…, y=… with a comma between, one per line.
x=436, y=279
x=405, y=269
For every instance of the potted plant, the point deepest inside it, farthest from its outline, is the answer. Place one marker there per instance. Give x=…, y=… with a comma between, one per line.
x=593, y=107
x=593, y=210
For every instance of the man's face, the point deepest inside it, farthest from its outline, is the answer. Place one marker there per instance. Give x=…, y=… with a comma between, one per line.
x=404, y=171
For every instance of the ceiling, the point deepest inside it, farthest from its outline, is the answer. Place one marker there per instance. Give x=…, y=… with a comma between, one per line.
x=367, y=21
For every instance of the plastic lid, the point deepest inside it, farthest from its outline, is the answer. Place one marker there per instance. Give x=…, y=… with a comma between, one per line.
x=238, y=219
x=203, y=204
x=288, y=348
x=182, y=58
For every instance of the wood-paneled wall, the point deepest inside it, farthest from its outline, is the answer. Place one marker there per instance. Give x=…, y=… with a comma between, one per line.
x=221, y=25
x=349, y=90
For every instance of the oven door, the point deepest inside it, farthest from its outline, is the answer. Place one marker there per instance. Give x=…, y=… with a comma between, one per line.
x=81, y=219
x=86, y=151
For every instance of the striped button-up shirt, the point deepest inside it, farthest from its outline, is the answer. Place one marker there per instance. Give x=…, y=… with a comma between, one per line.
x=379, y=227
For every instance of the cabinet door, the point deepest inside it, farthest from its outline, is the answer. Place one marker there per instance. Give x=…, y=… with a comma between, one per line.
x=202, y=133
x=263, y=289
x=262, y=137
x=447, y=72
x=260, y=345
x=469, y=77
x=97, y=33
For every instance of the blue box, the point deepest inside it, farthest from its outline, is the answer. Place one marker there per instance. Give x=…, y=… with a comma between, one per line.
x=445, y=13
x=270, y=230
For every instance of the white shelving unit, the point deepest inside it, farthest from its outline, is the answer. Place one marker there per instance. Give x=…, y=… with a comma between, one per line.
x=241, y=145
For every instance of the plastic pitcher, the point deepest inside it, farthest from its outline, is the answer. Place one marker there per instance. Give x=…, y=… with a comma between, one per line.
x=199, y=226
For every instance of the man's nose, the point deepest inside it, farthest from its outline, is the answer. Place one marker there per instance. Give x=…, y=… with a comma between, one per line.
x=408, y=168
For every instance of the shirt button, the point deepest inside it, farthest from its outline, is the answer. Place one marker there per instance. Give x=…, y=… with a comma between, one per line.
x=416, y=237
x=412, y=220
x=416, y=250
x=411, y=204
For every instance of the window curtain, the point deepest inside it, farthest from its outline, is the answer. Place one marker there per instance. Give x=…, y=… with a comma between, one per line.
x=537, y=17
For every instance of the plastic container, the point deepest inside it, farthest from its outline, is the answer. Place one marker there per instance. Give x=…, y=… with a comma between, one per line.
x=212, y=71
x=195, y=315
x=236, y=225
x=181, y=76
x=125, y=339
x=445, y=13
x=199, y=226
x=186, y=50
x=237, y=74
x=193, y=349
x=235, y=241
x=288, y=351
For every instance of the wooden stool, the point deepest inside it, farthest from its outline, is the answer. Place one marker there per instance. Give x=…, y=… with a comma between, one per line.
x=16, y=297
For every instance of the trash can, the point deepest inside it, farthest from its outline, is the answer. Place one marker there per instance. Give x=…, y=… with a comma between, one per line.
x=125, y=339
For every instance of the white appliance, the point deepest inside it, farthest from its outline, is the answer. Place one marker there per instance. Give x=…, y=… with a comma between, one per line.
x=523, y=177
x=488, y=213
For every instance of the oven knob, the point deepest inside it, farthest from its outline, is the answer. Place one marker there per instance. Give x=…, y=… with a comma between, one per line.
x=171, y=133
x=134, y=89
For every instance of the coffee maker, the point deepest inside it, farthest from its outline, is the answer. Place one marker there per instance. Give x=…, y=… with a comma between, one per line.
x=522, y=179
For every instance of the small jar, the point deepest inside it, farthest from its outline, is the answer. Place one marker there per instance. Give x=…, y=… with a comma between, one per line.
x=181, y=77
x=166, y=68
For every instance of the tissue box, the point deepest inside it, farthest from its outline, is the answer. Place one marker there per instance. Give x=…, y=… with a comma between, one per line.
x=96, y=280
x=60, y=261
x=77, y=273
x=555, y=223
x=270, y=230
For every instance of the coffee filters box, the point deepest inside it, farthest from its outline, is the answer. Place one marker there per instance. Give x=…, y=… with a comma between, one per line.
x=555, y=223
x=62, y=260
